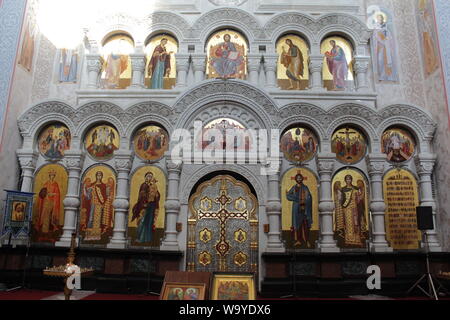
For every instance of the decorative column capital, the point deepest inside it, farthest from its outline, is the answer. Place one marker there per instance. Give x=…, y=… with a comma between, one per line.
x=425, y=163
x=254, y=62
x=173, y=167
x=361, y=64
x=199, y=61
x=27, y=158
x=138, y=61
x=122, y=161
x=182, y=61
x=73, y=159
x=271, y=61
x=325, y=163
x=94, y=62
x=376, y=163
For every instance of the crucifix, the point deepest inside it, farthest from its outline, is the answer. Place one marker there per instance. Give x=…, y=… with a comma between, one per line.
x=348, y=145
x=223, y=246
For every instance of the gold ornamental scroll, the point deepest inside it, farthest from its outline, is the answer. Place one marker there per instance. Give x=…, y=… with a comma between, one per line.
x=402, y=198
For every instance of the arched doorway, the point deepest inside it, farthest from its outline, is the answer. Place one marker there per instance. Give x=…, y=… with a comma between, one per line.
x=223, y=226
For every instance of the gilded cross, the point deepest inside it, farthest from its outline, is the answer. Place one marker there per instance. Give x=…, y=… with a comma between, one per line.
x=223, y=214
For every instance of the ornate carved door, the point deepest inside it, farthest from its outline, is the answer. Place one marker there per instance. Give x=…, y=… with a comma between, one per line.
x=223, y=227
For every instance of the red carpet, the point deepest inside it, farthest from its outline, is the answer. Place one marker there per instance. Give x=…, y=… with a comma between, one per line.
x=26, y=295
x=106, y=296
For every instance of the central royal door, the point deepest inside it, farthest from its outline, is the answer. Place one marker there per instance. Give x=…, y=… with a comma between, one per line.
x=223, y=227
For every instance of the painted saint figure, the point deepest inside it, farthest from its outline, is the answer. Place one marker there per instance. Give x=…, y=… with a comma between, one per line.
x=338, y=65
x=293, y=61
x=159, y=66
x=301, y=211
x=49, y=206
x=428, y=30
x=146, y=209
x=54, y=141
x=350, y=219
x=384, y=51
x=18, y=213
x=175, y=294
x=191, y=294
x=27, y=52
x=151, y=142
x=398, y=145
x=349, y=145
x=101, y=142
x=227, y=59
x=115, y=65
x=97, y=200
x=68, y=65
x=299, y=145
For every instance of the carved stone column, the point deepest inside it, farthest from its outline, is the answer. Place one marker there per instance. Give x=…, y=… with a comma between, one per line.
x=375, y=164
x=121, y=203
x=27, y=160
x=325, y=164
x=273, y=211
x=138, y=62
x=361, y=67
x=270, y=64
x=254, y=64
x=172, y=206
x=182, y=69
x=94, y=66
x=199, y=65
x=73, y=161
x=425, y=166
x=316, y=68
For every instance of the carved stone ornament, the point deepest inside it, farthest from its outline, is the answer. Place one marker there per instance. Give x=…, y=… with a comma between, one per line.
x=123, y=164
x=236, y=3
x=251, y=105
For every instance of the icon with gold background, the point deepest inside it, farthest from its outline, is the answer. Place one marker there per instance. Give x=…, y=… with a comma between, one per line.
x=147, y=211
x=300, y=208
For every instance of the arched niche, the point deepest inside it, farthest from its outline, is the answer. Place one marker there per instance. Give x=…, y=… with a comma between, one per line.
x=232, y=98
x=351, y=213
x=150, y=142
x=350, y=144
x=191, y=176
x=299, y=143
x=101, y=140
x=293, y=64
x=337, y=71
x=53, y=140
x=399, y=144
x=160, y=49
x=97, y=195
x=226, y=51
x=115, y=51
